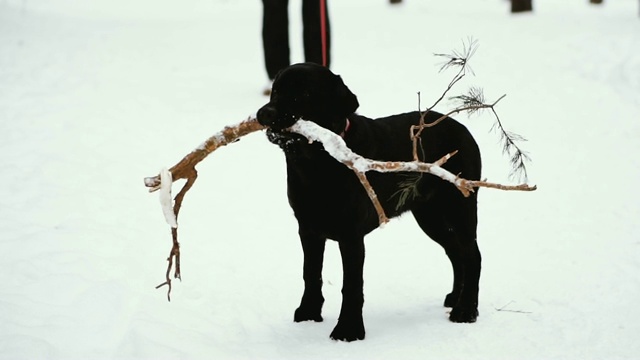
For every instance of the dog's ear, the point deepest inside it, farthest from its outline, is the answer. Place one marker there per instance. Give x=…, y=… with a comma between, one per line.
x=346, y=100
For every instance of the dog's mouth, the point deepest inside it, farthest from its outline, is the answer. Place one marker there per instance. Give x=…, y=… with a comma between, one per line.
x=281, y=136
x=291, y=143
x=285, y=122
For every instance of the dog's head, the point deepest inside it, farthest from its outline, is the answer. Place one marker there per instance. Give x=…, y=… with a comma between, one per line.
x=311, y=92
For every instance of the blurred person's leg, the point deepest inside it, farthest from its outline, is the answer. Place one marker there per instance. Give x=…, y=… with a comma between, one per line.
x=275, y=35
x=316, y=33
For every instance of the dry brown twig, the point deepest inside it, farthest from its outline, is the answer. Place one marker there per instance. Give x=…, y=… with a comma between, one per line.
x=504, y=308
x=186, y=169
x=471, y=103
x=459, y=60
x=416, y=130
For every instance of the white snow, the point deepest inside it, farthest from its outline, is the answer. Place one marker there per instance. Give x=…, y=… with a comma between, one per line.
x=332, y=143
x=92, y=91
x=166, y=200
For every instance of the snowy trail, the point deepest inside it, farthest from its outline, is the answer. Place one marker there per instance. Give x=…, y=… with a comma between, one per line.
x=96, y=96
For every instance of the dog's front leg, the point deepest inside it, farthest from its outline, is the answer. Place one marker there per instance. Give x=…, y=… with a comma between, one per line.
x=311, y=305
x=350, y=325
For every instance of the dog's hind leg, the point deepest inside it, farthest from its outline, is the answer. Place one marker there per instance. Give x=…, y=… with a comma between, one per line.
x=464, y=220
x=433, y=224
x=350, y=325
x=451, y=221
x=310, y=308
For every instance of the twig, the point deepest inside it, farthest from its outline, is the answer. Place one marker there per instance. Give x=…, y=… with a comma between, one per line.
x=456, y=59
x=471, y=103
x=174, y=254
x=485, y=184
x=185, y=169
x=510, y=147
x=382, y=217
x=416, y=130
x=459, y=59
x=503, y=309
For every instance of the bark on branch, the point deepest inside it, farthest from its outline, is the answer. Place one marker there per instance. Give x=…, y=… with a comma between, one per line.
x=336, y=147
x=186, y=169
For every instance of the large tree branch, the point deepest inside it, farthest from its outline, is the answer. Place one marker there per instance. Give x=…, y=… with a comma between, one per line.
x=333, y=144
x=336, y=147
x=185, y=169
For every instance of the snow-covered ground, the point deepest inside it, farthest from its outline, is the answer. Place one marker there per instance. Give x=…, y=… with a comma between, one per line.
x=96, y=95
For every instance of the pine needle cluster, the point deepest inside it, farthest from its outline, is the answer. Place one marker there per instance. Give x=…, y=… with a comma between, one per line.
x=474, y=101
x=408, y=189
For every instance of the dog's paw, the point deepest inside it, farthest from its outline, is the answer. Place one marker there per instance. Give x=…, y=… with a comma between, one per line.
x=348, y=330
x=463, y=315
x=307, y=314
x=451, y=300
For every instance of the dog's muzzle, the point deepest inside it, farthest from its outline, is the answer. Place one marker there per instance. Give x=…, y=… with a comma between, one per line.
x=270, y=117
x=267, y=115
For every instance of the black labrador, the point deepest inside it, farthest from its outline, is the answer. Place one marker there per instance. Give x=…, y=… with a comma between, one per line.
x=330, y=203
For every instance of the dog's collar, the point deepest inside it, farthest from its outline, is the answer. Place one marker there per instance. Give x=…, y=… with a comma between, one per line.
x=346, y=128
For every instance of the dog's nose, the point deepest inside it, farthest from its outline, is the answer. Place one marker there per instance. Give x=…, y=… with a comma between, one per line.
x=267, y=115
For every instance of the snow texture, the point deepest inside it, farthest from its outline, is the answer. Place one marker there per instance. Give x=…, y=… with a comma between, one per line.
x=166, y=200
x=332, y=143
x=336, y=147
x=91, y=93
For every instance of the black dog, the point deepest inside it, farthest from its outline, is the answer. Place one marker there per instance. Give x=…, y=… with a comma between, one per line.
x=330, y=203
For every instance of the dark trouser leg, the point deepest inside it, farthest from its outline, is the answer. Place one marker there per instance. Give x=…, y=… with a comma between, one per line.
x=275, y=35
x=313, y=19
